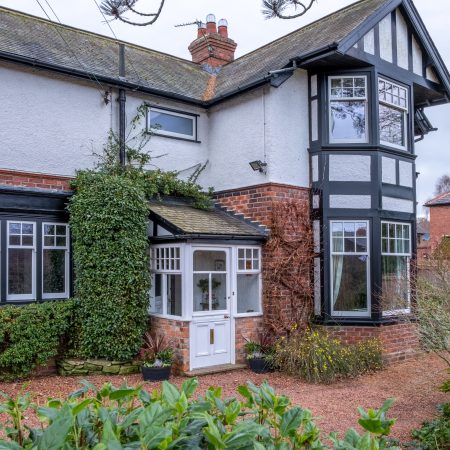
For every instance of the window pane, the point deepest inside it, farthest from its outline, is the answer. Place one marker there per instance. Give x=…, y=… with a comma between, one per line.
x=14, y=240
x=49, y=229
x=214, y=261
x=210, y=292
x=61, y=230
x=156, y=305
x=174, y=124
x=14, y=228
x=392, y=126
x=337, y=229
x=49, y=241
x=54, y=271
x=61, y=241
x=20, y=271
x=27, y=240
x=248, y=293
x=27, y=228
x=349, y=279
x=395, y=282
x=174, y=295
x=338, y=245
x=348, y=120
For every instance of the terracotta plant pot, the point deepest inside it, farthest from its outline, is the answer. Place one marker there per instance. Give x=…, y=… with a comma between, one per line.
x=156, y=373
x=259, y=365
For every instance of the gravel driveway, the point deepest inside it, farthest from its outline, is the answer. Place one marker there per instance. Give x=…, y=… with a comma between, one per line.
x=413, y=384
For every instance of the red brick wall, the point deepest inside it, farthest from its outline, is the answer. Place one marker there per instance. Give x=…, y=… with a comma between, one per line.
x=260, y=203
x=246, y=328
x=34, y=180
x=399, y=341
x=439, y=223
x=178, y=332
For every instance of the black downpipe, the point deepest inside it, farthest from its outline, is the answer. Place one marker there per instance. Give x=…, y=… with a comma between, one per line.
x=122, y=102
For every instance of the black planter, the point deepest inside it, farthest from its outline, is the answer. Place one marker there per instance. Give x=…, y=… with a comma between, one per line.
x=156, y=373
x=259, y=365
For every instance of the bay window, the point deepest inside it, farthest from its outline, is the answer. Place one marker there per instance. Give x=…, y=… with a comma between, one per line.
x=350, y=290
x=348, y=109
x=393, y=114
x=248, y=281
x=395, y=262
x=166, y=289
x=55, y=260
x=21, y=260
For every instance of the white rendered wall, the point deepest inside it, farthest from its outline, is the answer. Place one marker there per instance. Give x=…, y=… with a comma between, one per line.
x=49, y=125
x=402, y=41
x=349, y=168
x=385, y=28
x=265, y=124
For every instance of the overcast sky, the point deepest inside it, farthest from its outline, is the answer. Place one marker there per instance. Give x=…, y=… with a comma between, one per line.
x=250, y=30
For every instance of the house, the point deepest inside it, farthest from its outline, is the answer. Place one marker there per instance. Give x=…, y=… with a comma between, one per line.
x=440, y=222
x=326, y=116
x=423, y=240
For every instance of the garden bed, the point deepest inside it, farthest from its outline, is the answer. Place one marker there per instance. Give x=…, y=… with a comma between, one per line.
x=414, y=384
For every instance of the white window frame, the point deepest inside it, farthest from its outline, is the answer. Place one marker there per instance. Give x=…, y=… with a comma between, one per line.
x=66, y=248
x=21, y=297
x=368, y=269
x=169, y=112
x=253, y=272
x=351, y=99
x=164, y=272
x=408, y=255
x=404, y=110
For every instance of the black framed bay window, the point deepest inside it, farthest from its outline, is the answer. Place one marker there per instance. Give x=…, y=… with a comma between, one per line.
x=35, y=260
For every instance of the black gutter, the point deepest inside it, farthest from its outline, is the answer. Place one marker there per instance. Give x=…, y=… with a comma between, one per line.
x=133, y=86
x=101, y=78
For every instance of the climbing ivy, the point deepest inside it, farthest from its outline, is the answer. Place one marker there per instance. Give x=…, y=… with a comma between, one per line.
x=108, y=218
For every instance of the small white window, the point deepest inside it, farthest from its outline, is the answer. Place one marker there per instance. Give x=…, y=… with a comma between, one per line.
x=348, y=109
x=393, y=114
x=174, y=124
x=21, y=260
x=55, y=260
x=395, y=267
x=166, y=290
x=350, y=268
x=249, y=280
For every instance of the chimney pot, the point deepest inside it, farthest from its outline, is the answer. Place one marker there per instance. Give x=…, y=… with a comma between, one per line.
x=201, y=29
x=211, y=23
x=223, y=28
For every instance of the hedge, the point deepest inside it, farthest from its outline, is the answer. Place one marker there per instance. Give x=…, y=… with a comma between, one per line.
x=31, y=335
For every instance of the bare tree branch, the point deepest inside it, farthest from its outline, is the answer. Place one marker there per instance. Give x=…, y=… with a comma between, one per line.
x=118, y=8
x=278, y=8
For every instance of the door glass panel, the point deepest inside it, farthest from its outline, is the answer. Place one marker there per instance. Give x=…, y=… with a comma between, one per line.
x=210, y=281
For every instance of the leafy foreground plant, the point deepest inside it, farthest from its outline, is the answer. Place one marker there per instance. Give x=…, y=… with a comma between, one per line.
x=435, y=435
x=131, y=418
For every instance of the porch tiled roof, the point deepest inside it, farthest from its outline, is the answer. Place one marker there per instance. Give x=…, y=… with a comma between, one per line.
x=188, y=220
x=44, y=42
x=441, y=199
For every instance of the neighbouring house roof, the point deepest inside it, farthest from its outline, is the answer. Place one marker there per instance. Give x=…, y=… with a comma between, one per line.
x=423, y=227
x=185, y=220
x=440, y=200
x=40, y=42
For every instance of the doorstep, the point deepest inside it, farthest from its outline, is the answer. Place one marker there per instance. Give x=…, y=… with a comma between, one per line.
x=214, y=369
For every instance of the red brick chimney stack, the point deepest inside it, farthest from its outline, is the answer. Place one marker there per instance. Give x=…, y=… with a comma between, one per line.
x=213, y=47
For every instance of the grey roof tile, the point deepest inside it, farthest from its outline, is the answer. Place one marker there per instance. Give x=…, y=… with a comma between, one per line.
x=192, y=221
x=441, y=199
x=46, y=42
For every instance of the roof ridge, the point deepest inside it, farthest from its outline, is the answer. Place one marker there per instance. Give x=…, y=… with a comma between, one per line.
x=304, y=27
x=437, y=198
x=91, y=33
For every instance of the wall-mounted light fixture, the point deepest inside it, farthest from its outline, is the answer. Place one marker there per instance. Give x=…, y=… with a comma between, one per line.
x=258, y=166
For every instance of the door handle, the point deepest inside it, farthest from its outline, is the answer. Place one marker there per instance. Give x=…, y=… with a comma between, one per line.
x=211, y=336
x=226, y=317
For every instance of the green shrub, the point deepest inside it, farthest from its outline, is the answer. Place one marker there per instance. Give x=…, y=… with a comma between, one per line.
x=108, y=219
x=318, y=358
x=31, y=335
x=131, y=418
x=434, y=435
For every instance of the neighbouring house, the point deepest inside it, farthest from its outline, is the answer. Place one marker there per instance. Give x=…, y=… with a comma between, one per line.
x=321, y=122
x=439, y=208
x=423, y=240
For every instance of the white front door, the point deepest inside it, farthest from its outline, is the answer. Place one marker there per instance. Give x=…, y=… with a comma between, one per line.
x=211, y=331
